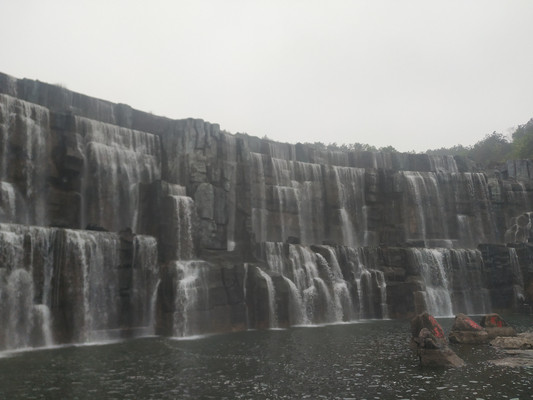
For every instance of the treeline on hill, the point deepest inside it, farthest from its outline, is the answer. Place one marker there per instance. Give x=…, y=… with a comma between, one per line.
x=493, y=149
x=496, y=148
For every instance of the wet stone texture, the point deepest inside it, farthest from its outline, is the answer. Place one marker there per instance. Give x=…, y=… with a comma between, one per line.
x=466, y=331
x=300, y=234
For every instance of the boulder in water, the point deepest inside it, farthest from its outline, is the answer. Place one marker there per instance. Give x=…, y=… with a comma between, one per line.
x=432, y=352
x=466, y=331
x=522, y=341
x=429, y=322
x=496, y=326
x=518, y=349
x=429, y=342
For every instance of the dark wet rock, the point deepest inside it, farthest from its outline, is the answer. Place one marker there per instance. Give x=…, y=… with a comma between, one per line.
x=518, y=350
x=94, y=227
x=522, y=341
x=428, y=322
x=432, y=352
x=429, y=343
x=466, y=331
x=444, y=357
x=515, y=358
x=496, y=326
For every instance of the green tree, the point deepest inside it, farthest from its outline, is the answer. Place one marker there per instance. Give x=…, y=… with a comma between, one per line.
x=388, y=149
x=494, y=148
x=457, y=150
x=523, y=141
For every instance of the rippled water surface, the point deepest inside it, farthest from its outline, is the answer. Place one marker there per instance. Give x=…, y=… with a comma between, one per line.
x=368, y=360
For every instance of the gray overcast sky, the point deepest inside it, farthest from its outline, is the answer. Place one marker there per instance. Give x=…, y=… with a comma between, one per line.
x=414, y=74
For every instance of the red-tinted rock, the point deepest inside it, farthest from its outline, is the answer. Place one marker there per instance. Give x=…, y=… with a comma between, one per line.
x=432, y=352
x=427, y=321
x=465, y=330
x=496, y=326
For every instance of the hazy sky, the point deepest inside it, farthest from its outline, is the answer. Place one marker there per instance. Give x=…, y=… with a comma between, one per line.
x=411, y=74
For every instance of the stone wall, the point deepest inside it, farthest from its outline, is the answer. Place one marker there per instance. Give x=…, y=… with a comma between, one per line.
x=246, y=232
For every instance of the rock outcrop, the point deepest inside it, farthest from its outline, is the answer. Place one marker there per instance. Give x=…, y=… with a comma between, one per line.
x=199, y=230
x=429, y=342
x=518, y=350
x=466, y=331
x=495, y=326
x=522, y=341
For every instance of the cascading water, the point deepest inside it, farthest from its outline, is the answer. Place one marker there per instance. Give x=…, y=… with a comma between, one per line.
x=453, y=280
x=60, y=285
x=191, y=296
x=518, y=279
x=350, y=184
x=437, y=292
x=117, y=160
x=318, y=289
x=8, y=206
x=443, y=164
x=427, y=216
x=145, y=282
x=467, y=282
x=25, y=274
x=184, y=209
x=24, y=141
x=271, y=299
x=471, y=198
x=368, y=287
x=258, y=192
x=96, y=257
x=296, y=189
x=382, y=285
x=106, y=293
x=343, y=303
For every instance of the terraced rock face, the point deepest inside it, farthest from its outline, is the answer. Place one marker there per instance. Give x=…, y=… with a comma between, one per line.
x=224, y=232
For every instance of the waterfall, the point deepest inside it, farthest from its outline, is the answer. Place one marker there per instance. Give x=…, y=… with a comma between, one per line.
x=24, y=141
x=95, y=276
x=518, y=279
x=443, y=164
x=191, y=293
x=350, y=183
x=59, y=285
x=382, y=285
x=319, y=291
x=184, y=210
x=369, y=290
x=145, y=282
x=106, y=285
x=228, y=147
x=245, y=294
x=271, y=294
x=343, y=303
x=8, y=206
x=297, y=314
x=453, y=281
x=426, y=218
x=258, y=194
x=301, y=270
x=518, y=198
x=296, y=189
x=25, y=274
x=466, y=236
x=432, y=271
x=116, y=161
x=469, y=292
x=475, y=216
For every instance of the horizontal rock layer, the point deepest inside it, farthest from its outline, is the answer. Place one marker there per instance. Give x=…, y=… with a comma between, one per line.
x=238, y=232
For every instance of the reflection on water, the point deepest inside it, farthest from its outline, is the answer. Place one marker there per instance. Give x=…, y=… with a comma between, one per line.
x=351, y=361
